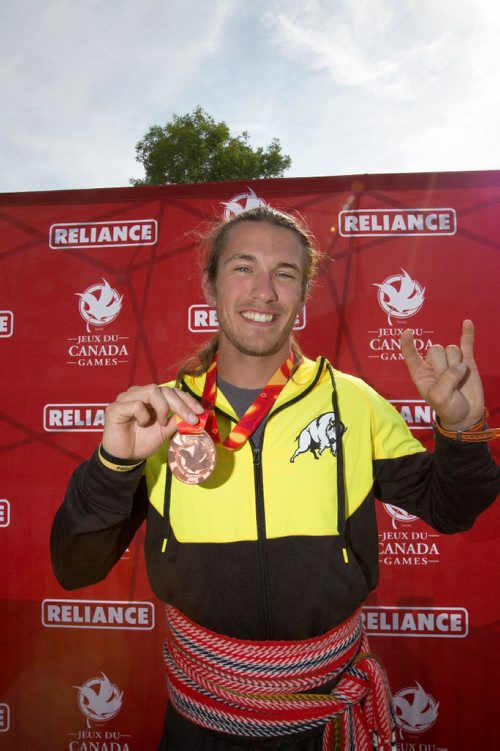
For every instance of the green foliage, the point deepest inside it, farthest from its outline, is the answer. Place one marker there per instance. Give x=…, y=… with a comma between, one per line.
x=196, y=149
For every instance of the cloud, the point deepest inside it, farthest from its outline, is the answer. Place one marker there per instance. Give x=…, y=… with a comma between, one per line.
x=88, y=79
x=393, y=86
x=362, y=45
x=346, y=86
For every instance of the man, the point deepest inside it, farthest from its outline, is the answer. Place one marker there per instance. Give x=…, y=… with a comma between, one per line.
x=265, y=563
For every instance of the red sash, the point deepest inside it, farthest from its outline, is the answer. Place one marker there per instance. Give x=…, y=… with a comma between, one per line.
x=255, y=689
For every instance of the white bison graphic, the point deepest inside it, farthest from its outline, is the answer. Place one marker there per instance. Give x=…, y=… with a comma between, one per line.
x=318, y=436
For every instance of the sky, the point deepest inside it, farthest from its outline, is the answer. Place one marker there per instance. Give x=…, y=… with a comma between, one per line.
x=347, y=86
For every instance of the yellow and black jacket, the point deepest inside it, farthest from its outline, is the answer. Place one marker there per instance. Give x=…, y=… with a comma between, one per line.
x=255, y=551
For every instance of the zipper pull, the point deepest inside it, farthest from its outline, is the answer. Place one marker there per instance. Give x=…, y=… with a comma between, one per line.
x=256, y=456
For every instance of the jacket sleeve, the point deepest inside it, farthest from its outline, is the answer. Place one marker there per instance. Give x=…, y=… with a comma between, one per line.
x=447, y=488
x=101, y=512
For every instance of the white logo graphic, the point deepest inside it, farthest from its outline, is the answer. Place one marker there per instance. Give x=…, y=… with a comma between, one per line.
x=400, y=296
x=6, y=323
x=416, y=710
x=99, y=700
x=73, y=418
x=386, y=344
x=319, y=435
x=103, y=234
x=97, y=350
x=389, y=222
x=99, y=304
x=203, y=319
x=407, y=548
x=242, y=202
x=103, y=614
x=388, y=620
x=417, y=414
x=4, y=718
x=4, y=513
x=398, y=515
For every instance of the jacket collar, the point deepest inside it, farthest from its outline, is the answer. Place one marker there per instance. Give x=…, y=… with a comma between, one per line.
x=309, y=374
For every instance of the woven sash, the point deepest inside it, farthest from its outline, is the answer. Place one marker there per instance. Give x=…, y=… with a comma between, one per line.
x=255, y=689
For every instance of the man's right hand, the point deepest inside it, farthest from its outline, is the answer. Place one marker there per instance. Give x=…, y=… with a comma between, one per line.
x=143, y=417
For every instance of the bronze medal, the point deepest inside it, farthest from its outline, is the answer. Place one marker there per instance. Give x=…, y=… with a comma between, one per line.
x=191, y=457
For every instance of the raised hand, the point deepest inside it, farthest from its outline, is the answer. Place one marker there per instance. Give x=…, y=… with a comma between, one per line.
x=143, y=417
x=448, y=379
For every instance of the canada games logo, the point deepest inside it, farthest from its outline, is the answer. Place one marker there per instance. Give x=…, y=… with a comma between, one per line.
x=242, y=202
x=399, y=515
x=406, y=546
x=99, y=304
x=99, y=700
x=416, y=710
x=400, y=296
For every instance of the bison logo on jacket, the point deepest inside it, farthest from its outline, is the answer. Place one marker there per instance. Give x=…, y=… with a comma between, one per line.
x=318, y=436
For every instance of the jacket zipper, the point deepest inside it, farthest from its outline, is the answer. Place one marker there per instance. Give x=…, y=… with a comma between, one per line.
x=262, y=541
x=260, y=507
x=261, y=514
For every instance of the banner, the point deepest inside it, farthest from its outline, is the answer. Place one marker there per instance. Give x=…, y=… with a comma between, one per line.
x=100, y=290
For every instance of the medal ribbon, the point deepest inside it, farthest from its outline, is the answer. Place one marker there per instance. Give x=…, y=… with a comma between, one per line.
x=252, y=418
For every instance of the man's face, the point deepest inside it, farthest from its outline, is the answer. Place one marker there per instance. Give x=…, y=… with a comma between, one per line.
x=258, y=290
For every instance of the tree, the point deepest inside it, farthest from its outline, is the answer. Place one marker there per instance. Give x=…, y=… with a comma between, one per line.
x=194, y=148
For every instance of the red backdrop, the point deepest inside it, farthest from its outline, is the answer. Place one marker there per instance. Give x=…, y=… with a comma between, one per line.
x=99, y=290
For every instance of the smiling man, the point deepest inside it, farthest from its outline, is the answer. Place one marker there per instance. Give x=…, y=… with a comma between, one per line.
x=258, y=294
x=257, y=472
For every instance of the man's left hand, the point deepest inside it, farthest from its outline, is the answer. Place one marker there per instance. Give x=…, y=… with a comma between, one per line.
x=448, y=379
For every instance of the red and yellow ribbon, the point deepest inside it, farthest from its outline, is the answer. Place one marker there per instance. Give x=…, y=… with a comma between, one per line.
x=252, y=418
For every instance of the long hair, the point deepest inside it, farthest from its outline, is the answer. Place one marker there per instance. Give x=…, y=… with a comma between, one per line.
x=213, y=243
